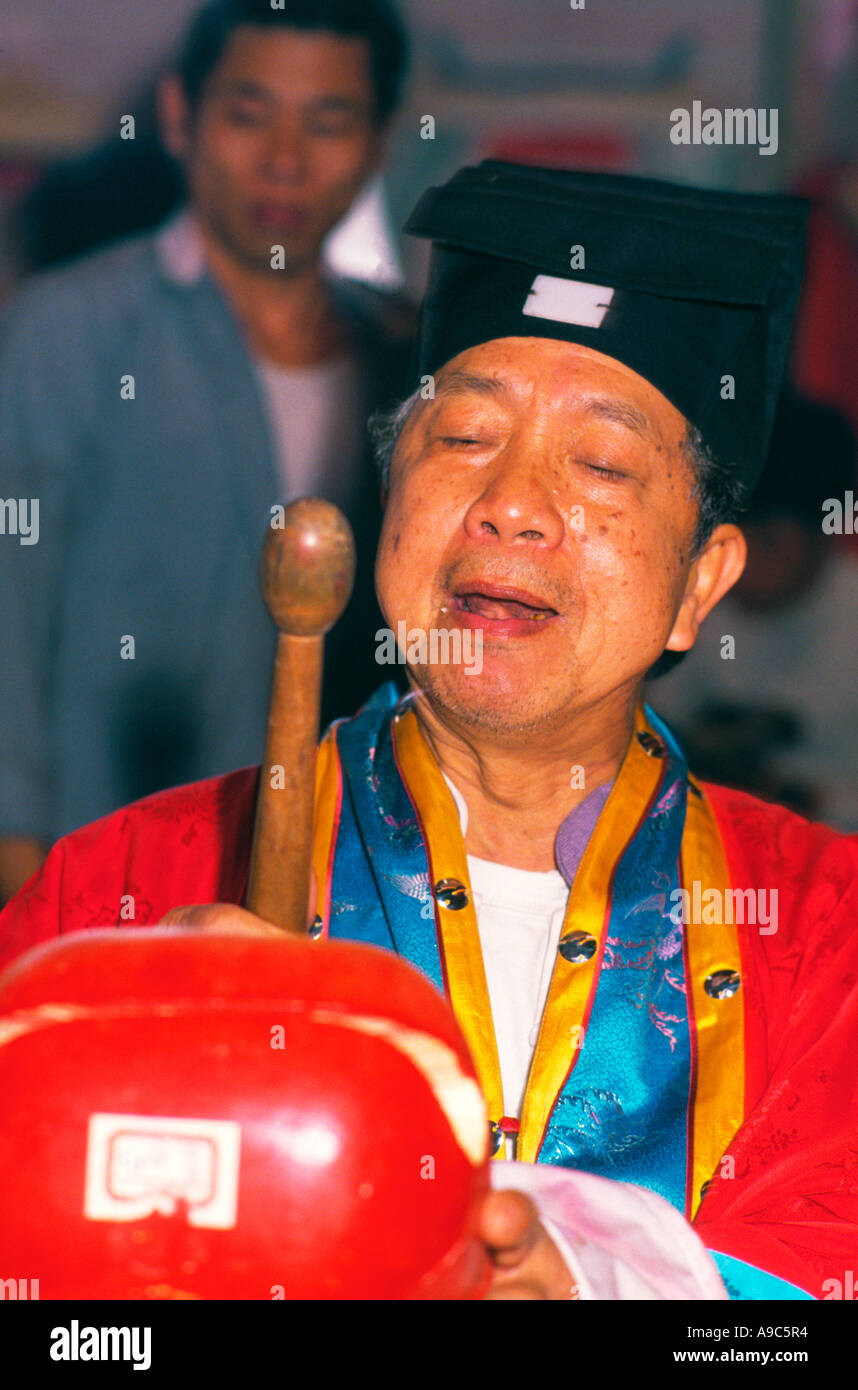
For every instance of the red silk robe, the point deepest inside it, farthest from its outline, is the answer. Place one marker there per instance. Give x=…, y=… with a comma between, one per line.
x=788, y=1204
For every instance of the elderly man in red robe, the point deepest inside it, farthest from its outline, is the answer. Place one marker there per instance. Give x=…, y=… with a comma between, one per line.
x=658, y=979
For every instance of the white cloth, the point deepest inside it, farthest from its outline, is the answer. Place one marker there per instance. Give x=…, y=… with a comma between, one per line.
x=181, y=248
x=618, y=1241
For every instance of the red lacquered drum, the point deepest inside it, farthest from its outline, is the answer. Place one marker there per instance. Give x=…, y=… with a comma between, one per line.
x=228, y=1117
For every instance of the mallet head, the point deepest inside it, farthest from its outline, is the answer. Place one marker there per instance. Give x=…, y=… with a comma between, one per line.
x=308, y=568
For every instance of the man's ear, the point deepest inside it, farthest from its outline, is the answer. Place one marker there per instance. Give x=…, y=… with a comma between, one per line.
x=174, y=117
x=716, y=569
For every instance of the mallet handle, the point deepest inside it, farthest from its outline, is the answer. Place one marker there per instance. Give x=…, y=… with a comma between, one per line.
x=279, y=884
x=307, y=576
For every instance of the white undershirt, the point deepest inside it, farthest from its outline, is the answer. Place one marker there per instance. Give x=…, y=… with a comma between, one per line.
x=317, y=416
x=519, y=916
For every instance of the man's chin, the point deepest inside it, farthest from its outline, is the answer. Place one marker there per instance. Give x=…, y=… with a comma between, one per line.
x=254, y=250
x=487, y=701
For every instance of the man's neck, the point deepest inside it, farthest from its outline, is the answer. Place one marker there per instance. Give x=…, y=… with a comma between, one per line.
x=288, y=316
x=517, y=798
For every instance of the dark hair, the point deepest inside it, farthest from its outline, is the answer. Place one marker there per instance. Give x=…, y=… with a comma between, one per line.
x=720, y=497
x=377, y=21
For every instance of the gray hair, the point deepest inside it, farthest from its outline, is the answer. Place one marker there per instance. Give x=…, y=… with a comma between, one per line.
x=719, y=495
x=385, y=427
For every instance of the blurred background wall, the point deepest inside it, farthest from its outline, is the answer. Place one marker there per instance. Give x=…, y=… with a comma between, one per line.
x=530, y=79
x=573, y=83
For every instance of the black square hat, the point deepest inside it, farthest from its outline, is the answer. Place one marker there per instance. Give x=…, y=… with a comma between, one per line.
x=693, y=289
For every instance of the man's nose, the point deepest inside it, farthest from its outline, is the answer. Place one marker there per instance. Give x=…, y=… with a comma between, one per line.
x=517, y=504
x=285, y=154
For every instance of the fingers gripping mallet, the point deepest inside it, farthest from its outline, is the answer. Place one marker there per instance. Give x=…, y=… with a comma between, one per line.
x=308, y=569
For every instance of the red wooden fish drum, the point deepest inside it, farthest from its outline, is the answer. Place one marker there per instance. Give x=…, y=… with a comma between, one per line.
x=228, y=1117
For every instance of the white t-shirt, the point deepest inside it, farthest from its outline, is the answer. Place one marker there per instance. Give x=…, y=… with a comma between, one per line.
x=317, y=415
x=519, y=916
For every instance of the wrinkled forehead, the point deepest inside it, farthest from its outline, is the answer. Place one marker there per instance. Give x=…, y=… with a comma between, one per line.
x=563, y=379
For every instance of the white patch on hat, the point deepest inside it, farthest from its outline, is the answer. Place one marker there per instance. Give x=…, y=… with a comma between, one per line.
x=568, y=301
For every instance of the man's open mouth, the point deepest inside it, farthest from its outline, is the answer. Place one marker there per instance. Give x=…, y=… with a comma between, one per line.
x=500, y=604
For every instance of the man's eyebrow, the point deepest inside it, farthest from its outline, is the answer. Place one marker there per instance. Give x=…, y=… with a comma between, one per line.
x=337, y=102
x=618, y=412
x=250, y=90
x=243, y=87
x=460, y=382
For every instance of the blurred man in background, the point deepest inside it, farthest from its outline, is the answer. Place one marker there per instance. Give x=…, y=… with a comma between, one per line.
x=768, y=699
x=160, y=399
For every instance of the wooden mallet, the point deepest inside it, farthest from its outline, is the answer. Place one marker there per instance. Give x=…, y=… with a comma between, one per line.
x=308, y=569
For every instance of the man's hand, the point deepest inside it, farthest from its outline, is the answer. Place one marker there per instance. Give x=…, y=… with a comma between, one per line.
x=220, y=918
x=227, y=917
x=527, y=1263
